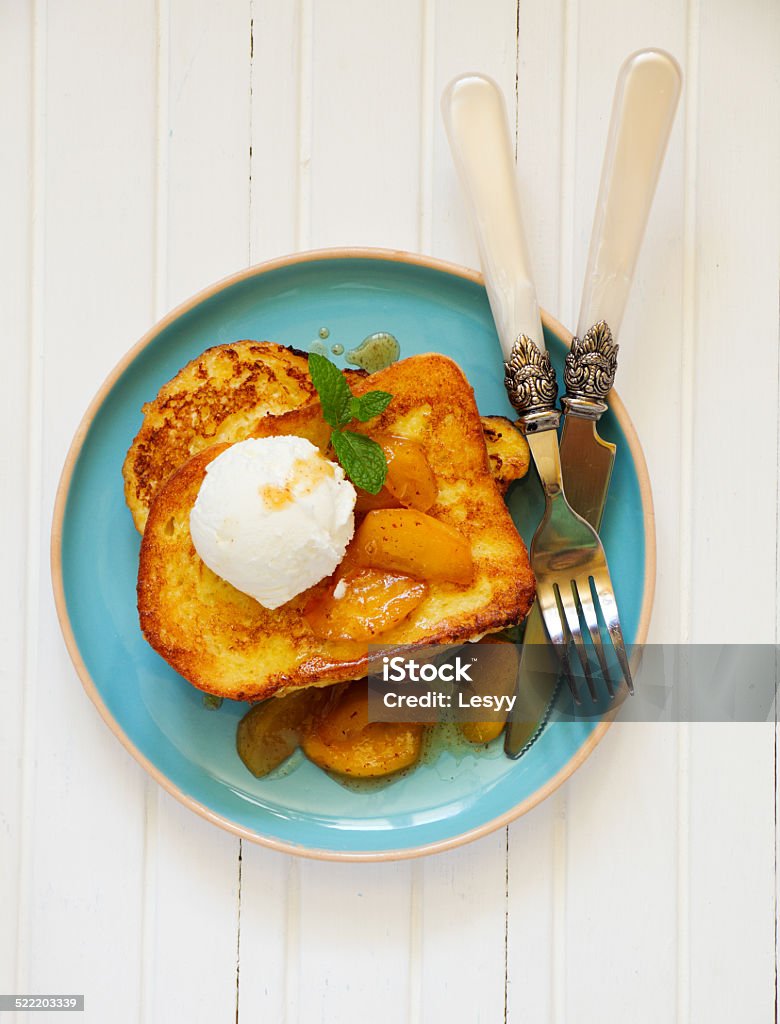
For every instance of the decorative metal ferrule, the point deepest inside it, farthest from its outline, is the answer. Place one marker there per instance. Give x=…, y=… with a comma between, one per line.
x=532, y=386
x=589, y=371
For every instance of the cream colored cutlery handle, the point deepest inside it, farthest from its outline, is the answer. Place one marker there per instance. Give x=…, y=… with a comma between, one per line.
x=476, y=123
x=646, y=96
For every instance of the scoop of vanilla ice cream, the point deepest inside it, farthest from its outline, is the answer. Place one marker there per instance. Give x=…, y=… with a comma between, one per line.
x=273, y=517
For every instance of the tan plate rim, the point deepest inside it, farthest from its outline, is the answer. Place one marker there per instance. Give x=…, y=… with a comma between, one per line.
x=400, y=256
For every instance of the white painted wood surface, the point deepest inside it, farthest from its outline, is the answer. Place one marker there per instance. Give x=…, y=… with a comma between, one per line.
x=150, y=148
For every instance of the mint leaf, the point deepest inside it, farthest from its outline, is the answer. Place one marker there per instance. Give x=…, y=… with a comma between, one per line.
x=367, y=406
x=363, y=460
x=332, y=387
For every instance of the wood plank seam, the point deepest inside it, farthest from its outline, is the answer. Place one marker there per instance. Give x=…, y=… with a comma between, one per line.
x=34, y=495
x=568, y=127
x=238, y=927
x=292, y=948
x=250, y=129
x=428, y=111
x=305, y=115
x=776, y=894
x=517, y=79
x=506, y=924
x=685, y=519
x=160, y=213
x=149, y=876
x=416, y=926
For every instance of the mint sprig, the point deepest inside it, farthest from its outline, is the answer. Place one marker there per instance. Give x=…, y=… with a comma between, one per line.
x=362, y=458
x=332, y=387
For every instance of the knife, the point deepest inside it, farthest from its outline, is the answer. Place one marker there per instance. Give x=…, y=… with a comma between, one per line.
x=646, y=95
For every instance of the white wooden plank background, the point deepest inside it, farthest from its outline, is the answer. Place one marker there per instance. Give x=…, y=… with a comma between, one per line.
x=148, y=148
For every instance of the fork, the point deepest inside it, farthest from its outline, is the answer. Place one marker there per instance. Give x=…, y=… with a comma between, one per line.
x=573, y=582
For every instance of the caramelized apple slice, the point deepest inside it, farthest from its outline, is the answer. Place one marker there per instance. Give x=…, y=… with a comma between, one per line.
x=382, y=748
x=500, y=680
x=410, y=481
x=366, y=501
x=410, y=478
x=346, y=717
x=407, y=541
x=363, y=603
x=481, y=732
x=270, y=731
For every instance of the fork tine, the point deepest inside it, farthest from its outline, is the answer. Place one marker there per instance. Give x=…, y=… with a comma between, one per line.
x=606, y=598
x=568, y=608
x=588, y=609
x=554, y=624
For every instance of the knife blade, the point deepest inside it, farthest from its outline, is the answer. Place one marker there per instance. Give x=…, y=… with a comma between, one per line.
x=587, y=461
x=646, y=96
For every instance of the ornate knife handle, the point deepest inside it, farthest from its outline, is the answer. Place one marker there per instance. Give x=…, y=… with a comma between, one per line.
x=589, y=372
x=532, y=386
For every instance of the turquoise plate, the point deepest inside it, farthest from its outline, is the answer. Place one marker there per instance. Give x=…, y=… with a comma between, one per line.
x=455, y=795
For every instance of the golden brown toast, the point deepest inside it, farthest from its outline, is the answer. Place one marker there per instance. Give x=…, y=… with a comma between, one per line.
x=226, y=643
x=507, y=450
x=220, y=397
x=217, y=397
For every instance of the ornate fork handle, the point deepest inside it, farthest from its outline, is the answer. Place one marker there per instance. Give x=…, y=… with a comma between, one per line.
x=533, y=389
x=532, y=386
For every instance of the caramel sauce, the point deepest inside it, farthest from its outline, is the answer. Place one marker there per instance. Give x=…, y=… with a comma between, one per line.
x=306, y=474
x=311, y=471
x=276, y=497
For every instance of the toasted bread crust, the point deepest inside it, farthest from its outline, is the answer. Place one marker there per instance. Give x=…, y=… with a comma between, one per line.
x=226, y=393
x=219, y=396
x=507, y=450
x=227, y=644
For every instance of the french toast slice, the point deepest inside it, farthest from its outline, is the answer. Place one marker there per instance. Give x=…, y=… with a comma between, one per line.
x=227, y=644
x=221, y=396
